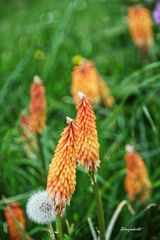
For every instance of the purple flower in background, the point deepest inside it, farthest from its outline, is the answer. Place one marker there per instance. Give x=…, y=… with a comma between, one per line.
x=156, y=13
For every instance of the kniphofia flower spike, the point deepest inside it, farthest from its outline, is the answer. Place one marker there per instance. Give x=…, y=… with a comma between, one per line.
x=137, y=183
x=37, y=106
x=61, y=180
x=86, y=79
x=87, y=142
x=140, y=27
x=15, y=219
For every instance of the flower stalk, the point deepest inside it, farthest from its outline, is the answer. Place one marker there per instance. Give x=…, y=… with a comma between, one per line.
x=99, y=206
x=59, y=228
x=41, y=153
x=52, y=237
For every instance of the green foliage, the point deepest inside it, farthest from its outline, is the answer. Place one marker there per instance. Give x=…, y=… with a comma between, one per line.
x=41, y=37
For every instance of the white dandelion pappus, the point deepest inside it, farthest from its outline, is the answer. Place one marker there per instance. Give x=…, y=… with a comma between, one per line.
x=39, y=208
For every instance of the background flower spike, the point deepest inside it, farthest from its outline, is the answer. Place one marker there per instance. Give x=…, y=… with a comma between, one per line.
x=137, y=183
x=16, y=221
x=37, y=106
x=85, y=78
x=140, y=27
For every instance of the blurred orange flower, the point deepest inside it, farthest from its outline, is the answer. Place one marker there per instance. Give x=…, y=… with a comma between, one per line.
x=86, y=79
x=137, y=183
x=37, y=106
x=140, y=27
x=87, y=143
x=16, y=220
x=61, y=180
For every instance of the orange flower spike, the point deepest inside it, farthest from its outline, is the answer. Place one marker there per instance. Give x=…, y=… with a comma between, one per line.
x=137, y=183
x=14, y=213
x=140, y=27
x=61, y=180
x=84, y=79
x=37, y=106
x=106, y=97
x=87, y=143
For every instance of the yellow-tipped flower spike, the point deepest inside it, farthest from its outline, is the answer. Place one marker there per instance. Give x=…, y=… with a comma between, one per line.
x=140, y=27
x=86, y=79
x=137, y=183
x=37, y=106
x=87, y=143
x=61, y=180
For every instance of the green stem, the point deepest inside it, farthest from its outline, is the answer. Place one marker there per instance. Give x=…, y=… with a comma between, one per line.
x=59, y=228
x=99, y=206
x=52, y=237
x=41, y=153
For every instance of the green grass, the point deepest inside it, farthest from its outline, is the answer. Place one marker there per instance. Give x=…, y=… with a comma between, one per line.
x=96, y=30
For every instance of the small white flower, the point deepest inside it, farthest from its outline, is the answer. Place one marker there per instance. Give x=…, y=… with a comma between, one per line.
x=40, y=208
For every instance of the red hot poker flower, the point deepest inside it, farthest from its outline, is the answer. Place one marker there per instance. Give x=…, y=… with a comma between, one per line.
x=140, y=27
x=37, y=106
x=87, y=143
x=86, y=79
x=61, y=180
x=137, y=183
x=14, y=213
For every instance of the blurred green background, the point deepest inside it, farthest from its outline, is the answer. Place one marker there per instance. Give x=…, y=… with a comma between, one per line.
x=41, y=37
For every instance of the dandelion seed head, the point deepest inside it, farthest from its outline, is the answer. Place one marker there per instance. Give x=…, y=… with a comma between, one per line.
x=40, y=208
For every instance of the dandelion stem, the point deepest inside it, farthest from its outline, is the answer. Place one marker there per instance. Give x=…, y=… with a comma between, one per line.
x=99, y=206
x=41, y=153
x=59, y=228
x=52, y=237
